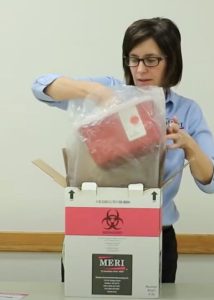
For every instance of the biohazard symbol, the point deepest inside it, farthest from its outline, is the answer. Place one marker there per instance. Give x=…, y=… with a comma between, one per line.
x=112, y=219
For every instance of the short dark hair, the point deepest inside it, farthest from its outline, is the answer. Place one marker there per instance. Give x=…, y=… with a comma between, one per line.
x=168, y=38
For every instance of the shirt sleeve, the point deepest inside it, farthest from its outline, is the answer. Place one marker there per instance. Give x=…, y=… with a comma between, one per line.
x=39, y=86
x=204, y=137
x=43, y=81
x=207, y=188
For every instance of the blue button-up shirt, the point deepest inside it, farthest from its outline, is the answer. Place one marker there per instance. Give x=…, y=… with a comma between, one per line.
x=191, y=120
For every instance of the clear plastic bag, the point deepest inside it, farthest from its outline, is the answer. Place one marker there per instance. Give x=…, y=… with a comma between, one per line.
x=119, y=144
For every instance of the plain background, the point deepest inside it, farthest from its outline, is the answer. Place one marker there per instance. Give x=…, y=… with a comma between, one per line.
x=83, y=38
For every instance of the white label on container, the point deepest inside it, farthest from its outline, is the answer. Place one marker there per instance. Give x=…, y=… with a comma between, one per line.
x=132, y=123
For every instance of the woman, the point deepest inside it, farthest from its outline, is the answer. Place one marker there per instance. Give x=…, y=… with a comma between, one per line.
x=152, y=56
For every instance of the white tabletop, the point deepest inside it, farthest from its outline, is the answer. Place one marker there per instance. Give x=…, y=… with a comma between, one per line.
x=55, y=291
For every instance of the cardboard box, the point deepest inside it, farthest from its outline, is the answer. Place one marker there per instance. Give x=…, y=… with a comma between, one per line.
x=113, y=238
x=112, y=242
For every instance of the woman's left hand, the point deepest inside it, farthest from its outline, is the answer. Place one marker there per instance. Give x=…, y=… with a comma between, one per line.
x=180, y=138
x=201, y=165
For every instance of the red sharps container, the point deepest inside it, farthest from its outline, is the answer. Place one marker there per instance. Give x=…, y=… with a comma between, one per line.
x=127, y=133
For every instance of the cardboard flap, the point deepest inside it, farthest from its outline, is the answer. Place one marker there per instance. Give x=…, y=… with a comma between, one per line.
x=61, y=180
x=65, y=158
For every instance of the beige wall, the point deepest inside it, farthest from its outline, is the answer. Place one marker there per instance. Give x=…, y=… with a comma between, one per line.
x=66, y=36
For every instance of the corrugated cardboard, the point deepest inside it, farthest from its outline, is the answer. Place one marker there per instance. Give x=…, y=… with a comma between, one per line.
x=63, y=180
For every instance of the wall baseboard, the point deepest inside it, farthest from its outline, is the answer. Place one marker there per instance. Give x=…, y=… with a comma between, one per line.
x=31, y=241
x=52, y=242
x=195, y=243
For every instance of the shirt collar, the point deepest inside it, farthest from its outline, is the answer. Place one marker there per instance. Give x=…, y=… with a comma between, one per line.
x=170, y=96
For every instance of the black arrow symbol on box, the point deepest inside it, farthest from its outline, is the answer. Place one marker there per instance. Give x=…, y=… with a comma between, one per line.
x=71, y=194
x=154, y=194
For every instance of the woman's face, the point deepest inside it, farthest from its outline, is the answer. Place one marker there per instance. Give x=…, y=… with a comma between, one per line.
x=153, y=73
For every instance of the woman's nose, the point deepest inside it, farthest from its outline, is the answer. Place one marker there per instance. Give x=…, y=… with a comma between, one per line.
x=141, y=67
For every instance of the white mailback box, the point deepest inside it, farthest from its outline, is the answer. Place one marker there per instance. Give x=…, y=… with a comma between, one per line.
x=113, y=241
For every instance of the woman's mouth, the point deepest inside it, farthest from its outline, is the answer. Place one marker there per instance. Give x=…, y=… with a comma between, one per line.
x=141, y=82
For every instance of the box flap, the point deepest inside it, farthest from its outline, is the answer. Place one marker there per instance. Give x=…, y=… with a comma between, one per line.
x=61, y=180
x=65, y=158
x=64, y=182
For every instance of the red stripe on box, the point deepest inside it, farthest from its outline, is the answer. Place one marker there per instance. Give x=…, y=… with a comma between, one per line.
x=112, y=221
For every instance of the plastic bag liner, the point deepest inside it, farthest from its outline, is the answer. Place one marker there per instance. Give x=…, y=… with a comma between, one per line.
x=121, y=143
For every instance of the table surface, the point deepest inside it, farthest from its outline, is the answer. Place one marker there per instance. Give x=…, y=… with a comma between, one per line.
x=55, y=291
